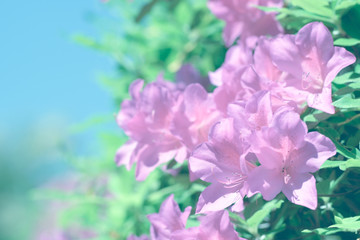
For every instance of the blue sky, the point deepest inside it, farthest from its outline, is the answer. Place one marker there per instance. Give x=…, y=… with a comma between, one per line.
x=42, y=70
x=47, y=83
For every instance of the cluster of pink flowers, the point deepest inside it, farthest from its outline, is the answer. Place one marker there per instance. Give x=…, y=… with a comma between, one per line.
x=246, y=137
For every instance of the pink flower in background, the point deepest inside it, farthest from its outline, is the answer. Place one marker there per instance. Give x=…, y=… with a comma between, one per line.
x=142, y=237
x=146, y=119
x=312, y=62
x=244, y=20
x=221, y=161
x=288, y=154
x=168, y=220
x=213, y=226
x=187, y=75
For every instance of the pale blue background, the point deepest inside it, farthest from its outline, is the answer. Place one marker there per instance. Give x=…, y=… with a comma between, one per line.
x=48, y=84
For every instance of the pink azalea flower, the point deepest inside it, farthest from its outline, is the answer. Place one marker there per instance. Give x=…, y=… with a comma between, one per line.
x=236, y=57
x=244, y=20
x=240, y=85
x=312, y=62
x=146, y=119
x=253, y=114
x=221, y=161
x=194, y=116
x=214, y=226
x=168, y=220
x=288, y=154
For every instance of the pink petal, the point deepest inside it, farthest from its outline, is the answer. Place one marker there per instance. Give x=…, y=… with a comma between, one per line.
x=217, y=197
x=268, y=182
x=301, y=190
x=270, y=158
x=325, y=149
x=217, y=225
x=124, y=155
x=289, y=124
x=232, y=31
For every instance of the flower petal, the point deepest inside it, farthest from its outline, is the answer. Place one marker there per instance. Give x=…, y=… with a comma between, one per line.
x=217, y=197
x=301, y=190
x=268, y=182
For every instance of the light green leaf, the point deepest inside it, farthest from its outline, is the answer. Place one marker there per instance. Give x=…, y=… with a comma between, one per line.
x=321, y=231
x=350, y=163
x=297, y=13
x=347, y=102
x=355, y=85
x=338, y=220
x=346, y=78
x=346, y=42
x=320, y=7
x=343, y=165
x=351, y=224
x=260, y=215
x=345, y=5
x=331, y=164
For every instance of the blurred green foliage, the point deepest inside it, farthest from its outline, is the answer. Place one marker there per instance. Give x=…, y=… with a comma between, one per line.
x=158, y=36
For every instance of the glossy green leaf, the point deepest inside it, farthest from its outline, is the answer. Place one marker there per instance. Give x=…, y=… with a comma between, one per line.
x=260, y=215
x=346, y=42
x=350, y=22
x=347, y=102
x=320, y=7
x=350, y=224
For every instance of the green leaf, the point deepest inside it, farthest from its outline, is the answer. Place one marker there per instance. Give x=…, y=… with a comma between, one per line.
x=349, y=164
x=347, y=102
x=347, y=77
x=320, y=7
x=346, y=42
x=350, y=22
x=297, y=13
x=260, y=215
x=331, y=164
x=351, y=224
x=343, y=165
x=321, y=231
x=355, y=85
x=339, y=148
x=344, y=5
x=338, y=220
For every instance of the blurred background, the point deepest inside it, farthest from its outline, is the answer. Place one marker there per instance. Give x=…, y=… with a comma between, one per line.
x=65, y=69
x=49, y=85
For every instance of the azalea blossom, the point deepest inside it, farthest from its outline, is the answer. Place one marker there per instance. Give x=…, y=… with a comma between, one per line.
x=288, y=154
x=170, y=224
x=168, y=220
x=222, y=162
x=243, y=19
x=194, y=116
x=163, y=122
x=312, y=62
x=146, y=119
x=213, y=226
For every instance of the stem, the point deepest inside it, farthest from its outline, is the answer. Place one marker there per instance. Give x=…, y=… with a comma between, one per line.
x=349, y=120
